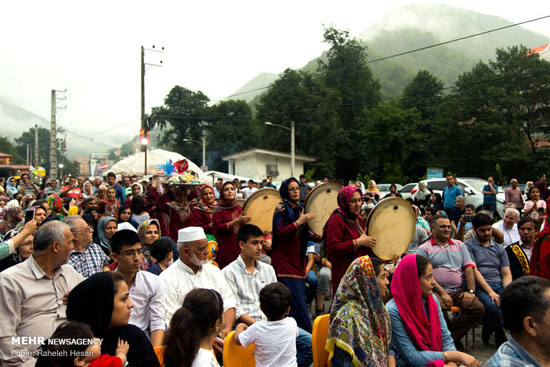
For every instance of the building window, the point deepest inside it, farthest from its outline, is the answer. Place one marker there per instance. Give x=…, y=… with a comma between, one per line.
x=271, y=170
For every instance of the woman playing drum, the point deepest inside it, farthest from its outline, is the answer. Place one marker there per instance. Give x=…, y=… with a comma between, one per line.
x=345, y=233
x=288, y=257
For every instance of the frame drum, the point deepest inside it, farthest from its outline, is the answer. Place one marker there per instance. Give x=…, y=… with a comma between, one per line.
x=260, y=207
x=322, y=201
x=392, y=223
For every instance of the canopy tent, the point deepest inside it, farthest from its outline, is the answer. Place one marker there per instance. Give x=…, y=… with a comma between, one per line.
x=134, y=164
x=212, y=176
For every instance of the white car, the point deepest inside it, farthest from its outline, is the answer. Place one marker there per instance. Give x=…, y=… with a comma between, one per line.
x=385, y=189
x=408, y=190
x=472, y=189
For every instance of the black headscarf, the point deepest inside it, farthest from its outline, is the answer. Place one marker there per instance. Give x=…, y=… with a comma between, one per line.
x=91, y=302
x=288, y=212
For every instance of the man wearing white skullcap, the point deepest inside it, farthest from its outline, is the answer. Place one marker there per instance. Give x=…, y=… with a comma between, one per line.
x=192, y=270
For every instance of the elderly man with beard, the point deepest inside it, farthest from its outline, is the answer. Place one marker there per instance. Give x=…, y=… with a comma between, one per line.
x=192, y=270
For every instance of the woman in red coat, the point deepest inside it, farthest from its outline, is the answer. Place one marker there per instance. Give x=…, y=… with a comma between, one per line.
x=226, y=221
x=178, y=210
x=288, y=256
x=344, y=234
x=202, y=213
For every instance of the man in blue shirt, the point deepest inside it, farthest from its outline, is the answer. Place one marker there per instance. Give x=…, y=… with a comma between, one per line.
x=526, y=312
x=490, y=196
x=450, y=193
x=492, y=274
x=111, y=180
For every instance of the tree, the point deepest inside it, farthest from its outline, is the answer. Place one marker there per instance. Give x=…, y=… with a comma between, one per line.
x=231, y=129
x=302, y=98
x=525, y=97
x=394, y=139
x=185, y=115
x=346, y=71
x=425, y=93
x=7, y=147
x=27, y=137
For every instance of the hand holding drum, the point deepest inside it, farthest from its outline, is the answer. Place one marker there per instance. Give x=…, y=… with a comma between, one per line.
x=242, y=219
x=304, y=218
x=365, y=241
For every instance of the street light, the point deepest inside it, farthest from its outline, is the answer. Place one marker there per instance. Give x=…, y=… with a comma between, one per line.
x=292, y=146
x=61, y=172
x=203, y=148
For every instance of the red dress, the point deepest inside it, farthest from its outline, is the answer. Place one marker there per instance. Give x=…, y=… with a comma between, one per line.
x=540, y=257
x=339, y=235
x=202, y=219
x=175, y=221
x=228, y=245
x=106, y=360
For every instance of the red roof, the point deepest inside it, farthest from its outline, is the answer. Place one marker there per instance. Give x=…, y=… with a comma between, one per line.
x=5, y=155
x=539, y=50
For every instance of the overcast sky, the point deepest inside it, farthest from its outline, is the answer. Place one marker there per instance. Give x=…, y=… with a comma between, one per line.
x=214, y=46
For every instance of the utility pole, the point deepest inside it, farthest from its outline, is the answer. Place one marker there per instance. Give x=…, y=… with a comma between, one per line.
x=63, y=150
x=35, y=146
x=144, y=124
x=27, y=161
x=53, y=137
x=53, y=132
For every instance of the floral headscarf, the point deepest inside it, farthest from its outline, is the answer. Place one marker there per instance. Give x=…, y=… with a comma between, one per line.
x=11, y=214
x=359, y=322
x=142, y=229
x=344, y=196
x=203, y=205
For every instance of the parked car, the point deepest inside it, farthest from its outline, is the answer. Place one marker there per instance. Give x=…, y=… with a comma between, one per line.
x=385, y=189
x=408, y=190
x=472, y=189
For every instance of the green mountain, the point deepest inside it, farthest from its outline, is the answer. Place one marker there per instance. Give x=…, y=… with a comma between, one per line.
x=417, y=26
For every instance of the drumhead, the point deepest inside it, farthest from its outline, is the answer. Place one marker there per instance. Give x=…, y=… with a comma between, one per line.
x=322, y=201
x=392, y=223
x=260, y=207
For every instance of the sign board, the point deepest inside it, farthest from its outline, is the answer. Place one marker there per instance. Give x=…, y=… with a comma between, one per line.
x=99, y=166
x=435, y=173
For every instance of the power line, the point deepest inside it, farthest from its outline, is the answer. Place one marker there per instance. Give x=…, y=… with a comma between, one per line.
x=407, y=52
x=481, y=82
x=104, y=131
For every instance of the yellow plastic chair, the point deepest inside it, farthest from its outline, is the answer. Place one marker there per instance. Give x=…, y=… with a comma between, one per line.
x=319, y=340
x=159, y=351
x=236, y=355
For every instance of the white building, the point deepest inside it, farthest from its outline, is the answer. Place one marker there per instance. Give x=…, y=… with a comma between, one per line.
x=260, y=163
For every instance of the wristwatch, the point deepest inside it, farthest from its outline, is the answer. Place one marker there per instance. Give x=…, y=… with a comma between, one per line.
x=471, y=291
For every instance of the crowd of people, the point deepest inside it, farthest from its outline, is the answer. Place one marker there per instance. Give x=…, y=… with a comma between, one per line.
x=88, y=262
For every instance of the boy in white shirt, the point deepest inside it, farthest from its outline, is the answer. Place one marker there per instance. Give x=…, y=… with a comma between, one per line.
x=274, y=339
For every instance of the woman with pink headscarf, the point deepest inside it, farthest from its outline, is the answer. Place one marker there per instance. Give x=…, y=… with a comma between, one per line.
x=419, y=332
x=344, y=233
